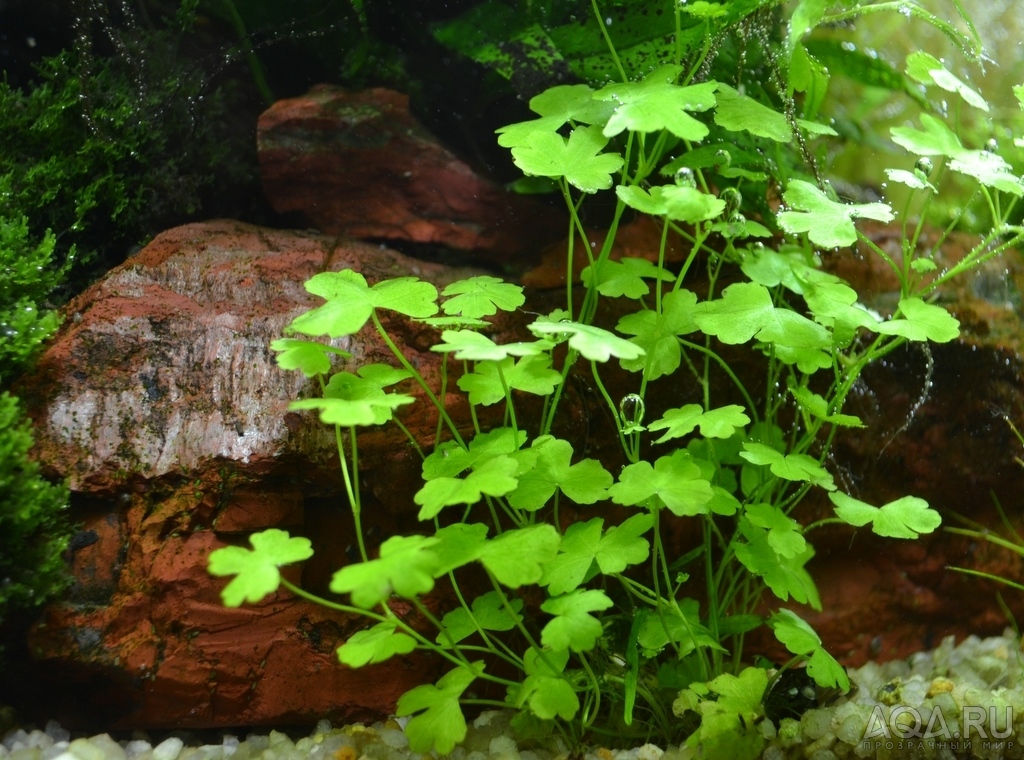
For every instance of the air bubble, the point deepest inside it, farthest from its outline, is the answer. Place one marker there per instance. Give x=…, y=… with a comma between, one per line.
x=992, y=145
x=631, y=409
x=732, y=198
x=923, y=167
x=608, y=21
x=685, y=178
x=723, y=158
x=736, y=225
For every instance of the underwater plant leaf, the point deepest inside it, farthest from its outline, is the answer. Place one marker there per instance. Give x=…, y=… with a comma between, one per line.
x=548, y=694
x=583, y=545
x=818, y=407
x=584, y=482
x=911, y=179
x=488, y=613
x=516, y=557
x=656, y=335
x=449, y=459
x=458, y=544
x=375, y=644
x=656, y=103
x=907, y=517
x=936, y=139
x=679, y=623
x=715, y=423
x=624, y=277
x=921, y=321
x=676, y=479
x=256, y=570
x=785, y=576
x=579, y=158
x=571, y=102
x=495, y=477
x=405, y=567
x=800, y=639
x=989, y=169
x=728, y=726
x=481, y=296
x=676, y=202
x=531, y=374
x=521, y=133
x=307, y=356
x=739, y=113
x=827, y=223
x=784, y=535
x=573, y=627
x=375, y=409
x=441, y=724
x=593, y=343
x=469, y=345
x=798, y=467
x=927, y=69
x=350, y=302
x=746, y=310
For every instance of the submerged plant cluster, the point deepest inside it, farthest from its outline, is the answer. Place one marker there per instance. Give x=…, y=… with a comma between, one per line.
x=598, y=626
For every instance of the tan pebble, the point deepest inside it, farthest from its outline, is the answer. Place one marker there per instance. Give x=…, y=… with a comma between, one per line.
x=940, y=686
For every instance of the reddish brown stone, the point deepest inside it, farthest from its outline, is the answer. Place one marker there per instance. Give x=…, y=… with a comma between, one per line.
x=359, y=164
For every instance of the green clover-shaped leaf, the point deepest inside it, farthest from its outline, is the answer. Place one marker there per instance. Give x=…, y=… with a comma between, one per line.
x=449, y=459
x=307, y=356
x=785, y=576
x=573, y=627
x=623, y=278
x=488, y=613
x=798, y=467
x=714, y=423
x=544, y=689
x=579, y=158
x=495, y=477
x=584, y=482
x=467, y=345
x=827, y=223
x=936, y=139
x=676, y=479
x=921, y=321
x=350, y=302
x=516, y=557
x=679, y=203
x=739, y=113
x=927, y=69
x=907, y=517
x=375, y=644
x=657, y=334
x=439, y=724
x=657, y=103
x=593, y=343
x=406, y=567
x=481, y=296
x=784, y=534
x=531, y=374
x=583, y=545
x=746, y=311
x=800, y=639
x=816, y=405
x=256, y=570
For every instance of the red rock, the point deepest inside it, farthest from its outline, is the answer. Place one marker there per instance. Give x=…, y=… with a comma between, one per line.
x=359, y=164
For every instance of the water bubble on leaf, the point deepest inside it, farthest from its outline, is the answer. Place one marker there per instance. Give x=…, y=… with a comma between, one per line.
x=992, y=145
x=685, y=178
x=923, y=167
x=608, y=21
x=757, y=247
x=736, y=225
x=632, y=409
x=732, y=198
x=848, y=46
x=723, y=158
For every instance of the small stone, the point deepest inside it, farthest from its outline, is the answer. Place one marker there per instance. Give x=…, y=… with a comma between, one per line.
x=168, y=749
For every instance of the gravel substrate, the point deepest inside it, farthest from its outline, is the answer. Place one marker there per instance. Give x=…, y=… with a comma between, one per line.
x=979, y=682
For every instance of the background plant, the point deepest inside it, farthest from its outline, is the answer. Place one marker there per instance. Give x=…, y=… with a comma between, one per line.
x=627, y=639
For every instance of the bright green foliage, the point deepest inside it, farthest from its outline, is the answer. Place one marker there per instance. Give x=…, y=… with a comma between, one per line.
x=481, y=297
x=826, y=222
x=606, y=608
x=439, y=724
x=657, y=104
x=904, y=518
x=406, y=566
x=256, y=570
x=376, y=644
x=573, y=626
x=584, y=546
x=800, y=639
x=350, y=302
x=33, y=530
x=584, y=482
x=675, y=479
x=578, y=159
x=927, y=69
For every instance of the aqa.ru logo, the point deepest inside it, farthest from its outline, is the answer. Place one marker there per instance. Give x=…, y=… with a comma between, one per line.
x=905, y=722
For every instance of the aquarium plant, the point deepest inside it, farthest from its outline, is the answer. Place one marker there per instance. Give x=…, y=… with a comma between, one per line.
x=599, y=627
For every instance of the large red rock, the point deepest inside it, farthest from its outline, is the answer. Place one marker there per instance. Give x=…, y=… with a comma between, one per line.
x=360, y=164
x=161, y=404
